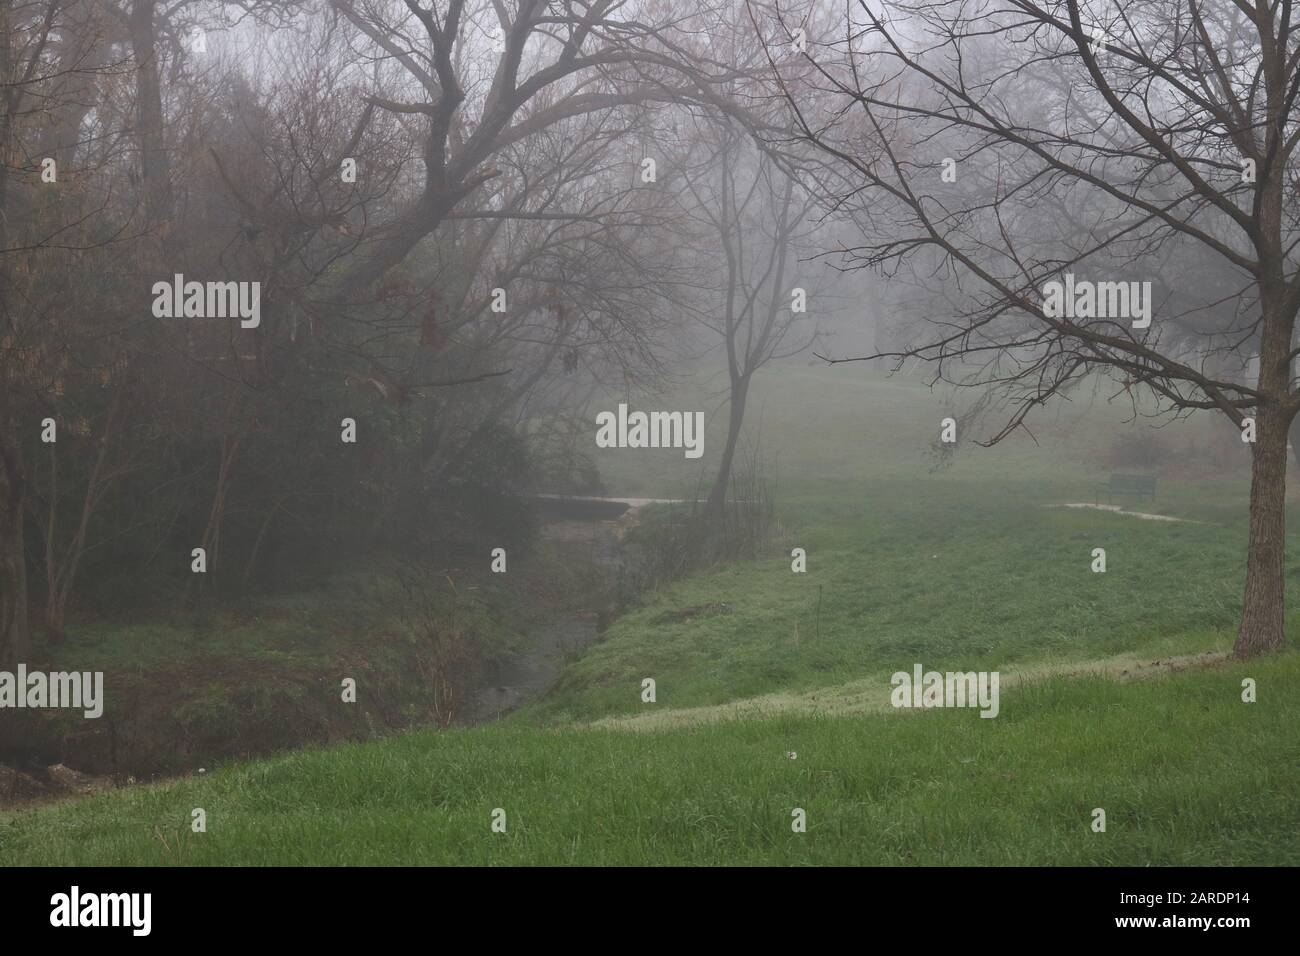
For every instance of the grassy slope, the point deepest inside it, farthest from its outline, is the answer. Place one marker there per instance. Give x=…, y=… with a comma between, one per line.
x=960, y=568
x=933, y=580
x=1187, y=773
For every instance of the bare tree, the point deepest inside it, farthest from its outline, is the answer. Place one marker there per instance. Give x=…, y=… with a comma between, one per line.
x=482, y=77
x=1170, y=119
x=754, y=214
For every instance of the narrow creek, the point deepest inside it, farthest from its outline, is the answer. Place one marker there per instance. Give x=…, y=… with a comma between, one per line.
x=597, y=523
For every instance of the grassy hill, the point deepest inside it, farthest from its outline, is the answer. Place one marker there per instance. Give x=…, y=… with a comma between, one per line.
x=1116, y=693
x=1186, y=772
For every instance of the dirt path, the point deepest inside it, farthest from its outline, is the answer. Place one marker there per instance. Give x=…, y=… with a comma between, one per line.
x=871, y=694
x=1117, y=510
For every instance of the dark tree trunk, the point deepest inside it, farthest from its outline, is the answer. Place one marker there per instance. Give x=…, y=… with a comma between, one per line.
x=1264, y=608
x=394, y=242
x=81, y=54
x=155, y=167
x=15, y=642
x=15, y=638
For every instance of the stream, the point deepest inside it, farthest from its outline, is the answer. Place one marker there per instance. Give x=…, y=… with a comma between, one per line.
x=597, y=523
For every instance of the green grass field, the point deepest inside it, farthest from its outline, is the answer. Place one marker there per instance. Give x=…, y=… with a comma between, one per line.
x=963, y=585
x=964, y=568
x=1186, y=772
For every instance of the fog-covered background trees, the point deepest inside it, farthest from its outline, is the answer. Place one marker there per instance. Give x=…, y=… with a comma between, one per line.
x=471, y=219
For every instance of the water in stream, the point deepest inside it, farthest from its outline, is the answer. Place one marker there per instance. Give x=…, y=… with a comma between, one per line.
x=549, y=647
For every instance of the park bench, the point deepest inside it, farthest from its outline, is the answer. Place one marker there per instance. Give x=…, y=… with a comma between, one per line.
x=1139, y=486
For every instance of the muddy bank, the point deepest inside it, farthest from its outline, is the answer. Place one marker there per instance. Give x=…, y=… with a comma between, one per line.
x=180, y=718
x=40, y=784
x=170, y=720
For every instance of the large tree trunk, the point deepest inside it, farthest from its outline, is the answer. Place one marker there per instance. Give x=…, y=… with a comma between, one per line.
x=1263, y=611
x=82, y=53
x=394, y=242
x=15, y=639
x=154, y=162
x=1264, y=607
